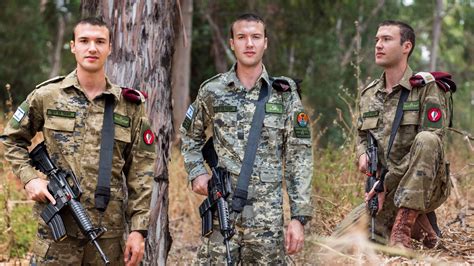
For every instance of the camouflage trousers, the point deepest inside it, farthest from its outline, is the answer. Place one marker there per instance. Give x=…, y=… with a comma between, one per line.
x=72, y=251
x=249, y=246
x=424, y=186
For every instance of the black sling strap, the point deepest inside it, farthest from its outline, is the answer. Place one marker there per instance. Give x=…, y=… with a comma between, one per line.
x=241, y=191
x=102, y=192
x=398, y=118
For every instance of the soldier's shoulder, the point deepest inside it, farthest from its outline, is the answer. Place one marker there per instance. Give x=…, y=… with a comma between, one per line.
x=55, y=80
x=213, y=81
x=370, y=86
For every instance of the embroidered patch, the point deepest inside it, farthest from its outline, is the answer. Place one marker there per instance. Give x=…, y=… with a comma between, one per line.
x=189, y=117
x=433, y=116
x=61, y=113
x=148, y=137
x=19, y=114
x=225, y=108
x=274, y=108
x=370, y=114
x=121, y=120
x=411, y=106
x=301, y=125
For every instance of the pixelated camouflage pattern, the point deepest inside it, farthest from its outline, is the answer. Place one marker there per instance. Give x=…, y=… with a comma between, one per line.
x=417, y=169
x=73, y=142
x=214, y=108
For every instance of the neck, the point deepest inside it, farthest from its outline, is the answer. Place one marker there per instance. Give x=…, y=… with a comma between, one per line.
x=248, y=75
x=393, y=75
x=92, y=83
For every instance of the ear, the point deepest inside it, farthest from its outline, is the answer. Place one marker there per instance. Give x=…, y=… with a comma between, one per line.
x=231, y=43
x=407, y=45
x=72, y=45
x=266, y=43
x=110, y=48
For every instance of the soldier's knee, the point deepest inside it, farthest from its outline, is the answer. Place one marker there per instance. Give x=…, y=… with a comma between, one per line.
x=427, y=138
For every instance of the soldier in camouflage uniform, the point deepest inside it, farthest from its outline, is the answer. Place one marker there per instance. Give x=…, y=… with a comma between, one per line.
x=226, y=104
x=69, y=112
x=417, y=180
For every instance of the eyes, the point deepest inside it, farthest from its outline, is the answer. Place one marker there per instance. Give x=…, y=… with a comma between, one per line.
x=253, y=36
x=383, y=39
x=87, y=41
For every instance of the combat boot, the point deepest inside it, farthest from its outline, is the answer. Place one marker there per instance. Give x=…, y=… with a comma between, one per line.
x=401, y=230
x=422, y=228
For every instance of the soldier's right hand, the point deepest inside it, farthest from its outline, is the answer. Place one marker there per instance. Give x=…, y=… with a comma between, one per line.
x=363, y=161
x=37, y=190
x=199, y=184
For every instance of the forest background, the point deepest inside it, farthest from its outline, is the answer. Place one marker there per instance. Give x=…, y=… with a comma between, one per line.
x=329, y=45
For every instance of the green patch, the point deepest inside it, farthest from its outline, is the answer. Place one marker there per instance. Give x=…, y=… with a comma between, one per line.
x=147, y=138
x=122, y=120
x=433, y=116
x=274, y=108
x=370, y=114
x=225, y=108
x=61, y=113
x=19, y=114
x=187, y=123
x=302, y=132
x=411, y=106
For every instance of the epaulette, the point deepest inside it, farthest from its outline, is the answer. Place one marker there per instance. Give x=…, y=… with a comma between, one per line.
x=133, y=95
x=442, y=79
x=52, y=80
x=371, y=84
x=210, y=79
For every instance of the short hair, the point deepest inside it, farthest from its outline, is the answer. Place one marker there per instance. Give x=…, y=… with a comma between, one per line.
x=406, y=32
x=95, y=21
x=248, y=17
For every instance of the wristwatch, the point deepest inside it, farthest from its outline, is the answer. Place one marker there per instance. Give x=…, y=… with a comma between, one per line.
x=302, y=219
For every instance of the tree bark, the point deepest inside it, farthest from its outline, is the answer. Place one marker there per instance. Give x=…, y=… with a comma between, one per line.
x=143, y=37
x=437, y=22
x=181, y=70
x=56, y=56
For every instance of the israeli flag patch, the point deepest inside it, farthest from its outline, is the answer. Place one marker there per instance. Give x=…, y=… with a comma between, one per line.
x=19, y=114
x=190, y=112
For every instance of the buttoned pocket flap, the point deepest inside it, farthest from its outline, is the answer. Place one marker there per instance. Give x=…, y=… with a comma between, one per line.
x=410, y=118
x=123, y=134
x=59, y=123
x=270, y=176
x=369, y=123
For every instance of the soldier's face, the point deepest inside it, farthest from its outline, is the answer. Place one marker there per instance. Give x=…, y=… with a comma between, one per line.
x=388, y=50
x=249, y=42
x=91, y=47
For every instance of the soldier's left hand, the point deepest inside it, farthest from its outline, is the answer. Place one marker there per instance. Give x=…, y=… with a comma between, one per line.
x=380, y=195
x=294, y=237
x=134, y=249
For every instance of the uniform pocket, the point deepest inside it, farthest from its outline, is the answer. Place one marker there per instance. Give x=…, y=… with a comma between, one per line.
x=225, y=119
x=410, y=118
x=60, y=123
x=123, y=134
x=267, y=176
x=40, y=248
x=369, y=123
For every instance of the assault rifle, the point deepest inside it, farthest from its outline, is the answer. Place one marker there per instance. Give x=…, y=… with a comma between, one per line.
x=64, y=187
x=372, y=162
x=219, y=188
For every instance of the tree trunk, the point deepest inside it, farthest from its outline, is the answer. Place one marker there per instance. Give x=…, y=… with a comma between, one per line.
x=58, y=46
x=181, y=71
x=438, y=20
x=142, y=50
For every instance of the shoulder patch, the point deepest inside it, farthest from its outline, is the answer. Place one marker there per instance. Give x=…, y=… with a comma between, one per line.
x=210, y=79
x=371, y=84
x=53, y=80
x=133, y=95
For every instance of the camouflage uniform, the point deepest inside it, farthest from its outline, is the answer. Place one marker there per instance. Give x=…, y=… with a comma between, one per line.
x=224, y=105
x=417, y=178
x=71, y=126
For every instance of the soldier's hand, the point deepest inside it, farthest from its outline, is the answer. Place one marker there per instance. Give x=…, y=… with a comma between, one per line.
x=363, y=160
x=294, y=237
x=134, y=249
x=380, y=195
x=199, y=184
x=37, y=190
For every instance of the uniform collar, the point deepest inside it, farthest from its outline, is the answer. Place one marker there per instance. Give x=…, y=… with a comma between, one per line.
x=71, y=81
x=404, y=81
x=231, y=79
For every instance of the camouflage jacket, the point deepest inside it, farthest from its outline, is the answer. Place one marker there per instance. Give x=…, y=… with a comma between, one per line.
x=426, y=109
x=71, y=125
x=224, y=106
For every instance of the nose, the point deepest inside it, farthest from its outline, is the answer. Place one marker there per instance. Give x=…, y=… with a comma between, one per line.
x=92, y=47
x=249, y=42
x=378, y=44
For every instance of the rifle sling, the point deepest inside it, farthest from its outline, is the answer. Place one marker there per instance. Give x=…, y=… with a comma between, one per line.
x=241, y=191
x=102, y=192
